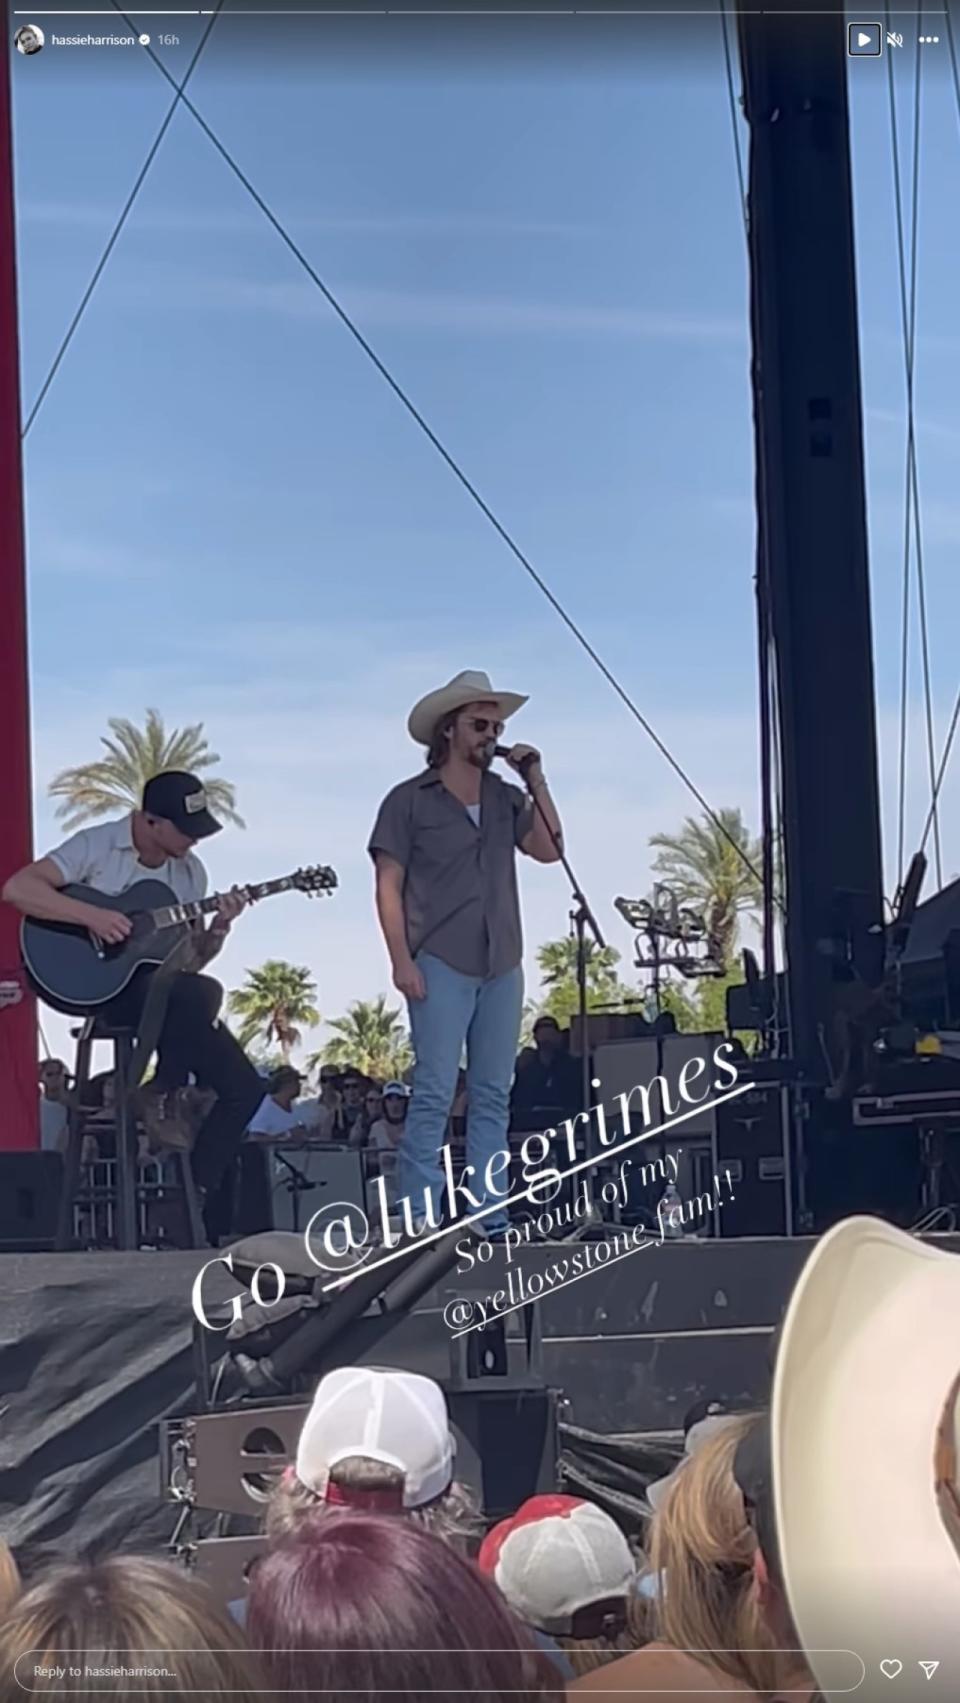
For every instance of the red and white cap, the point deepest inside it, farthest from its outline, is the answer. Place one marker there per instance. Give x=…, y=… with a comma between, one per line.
x=556, y=1556
x=397, y=1418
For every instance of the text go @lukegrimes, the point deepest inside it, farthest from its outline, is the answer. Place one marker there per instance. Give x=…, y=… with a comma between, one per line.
x=337, y=1234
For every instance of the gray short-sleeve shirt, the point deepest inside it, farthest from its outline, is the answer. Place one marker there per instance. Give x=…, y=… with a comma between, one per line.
x=460, y=894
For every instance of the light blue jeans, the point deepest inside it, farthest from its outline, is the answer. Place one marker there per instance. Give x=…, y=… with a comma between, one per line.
x=485, y=1016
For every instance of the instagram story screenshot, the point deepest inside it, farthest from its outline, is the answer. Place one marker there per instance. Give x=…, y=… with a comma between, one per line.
x=480, y=850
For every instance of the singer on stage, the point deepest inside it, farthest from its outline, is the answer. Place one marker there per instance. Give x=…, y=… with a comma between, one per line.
x=444, y=847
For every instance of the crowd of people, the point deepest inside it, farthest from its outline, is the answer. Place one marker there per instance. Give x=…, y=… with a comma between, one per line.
x=345, y=1106
x=348, y=1108
x=810, y=1549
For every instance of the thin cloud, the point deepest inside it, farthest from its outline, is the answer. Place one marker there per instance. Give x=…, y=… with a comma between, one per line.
x=452, y=311
x=97, y=216
x=54, y=555
x=931, y=430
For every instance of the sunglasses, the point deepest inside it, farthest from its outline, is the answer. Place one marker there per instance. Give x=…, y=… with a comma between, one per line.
x=482, y=724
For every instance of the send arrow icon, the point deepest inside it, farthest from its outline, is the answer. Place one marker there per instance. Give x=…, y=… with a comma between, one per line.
x=929, y=1668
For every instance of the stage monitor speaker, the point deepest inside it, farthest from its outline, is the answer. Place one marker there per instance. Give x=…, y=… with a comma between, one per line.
x=507, y=1445
x=622, y=1066
x=30, y=1185
x=226, y=1463
x=306, y=1179
x=752, y=1142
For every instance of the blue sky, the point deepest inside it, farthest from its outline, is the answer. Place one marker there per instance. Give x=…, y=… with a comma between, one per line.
x=232, y=519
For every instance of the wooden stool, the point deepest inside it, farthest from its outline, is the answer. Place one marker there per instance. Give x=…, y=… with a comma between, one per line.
x=127, y=1229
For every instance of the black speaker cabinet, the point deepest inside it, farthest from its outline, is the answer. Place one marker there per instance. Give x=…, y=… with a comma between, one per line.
x=30, y=1185
x=507, y=1450
x=752, y=1142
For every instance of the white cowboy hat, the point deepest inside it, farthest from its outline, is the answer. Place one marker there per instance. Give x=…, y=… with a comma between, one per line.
x=470, y=687
x=868, y=1360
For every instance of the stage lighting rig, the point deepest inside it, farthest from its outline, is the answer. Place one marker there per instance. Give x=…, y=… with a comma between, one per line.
x=669, y=935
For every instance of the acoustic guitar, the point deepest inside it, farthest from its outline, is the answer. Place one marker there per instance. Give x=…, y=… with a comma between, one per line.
x=72, y=971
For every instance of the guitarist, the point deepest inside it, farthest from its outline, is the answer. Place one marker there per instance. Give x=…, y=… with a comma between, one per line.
x=158, y=841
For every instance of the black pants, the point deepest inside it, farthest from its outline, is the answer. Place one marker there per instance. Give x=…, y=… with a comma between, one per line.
x=193, y=1043
x=240, y=1205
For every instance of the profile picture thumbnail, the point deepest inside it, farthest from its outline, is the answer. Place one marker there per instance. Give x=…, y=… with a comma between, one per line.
x=29, y=38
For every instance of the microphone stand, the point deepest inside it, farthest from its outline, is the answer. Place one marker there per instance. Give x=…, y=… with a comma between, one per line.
x=581, y=918
x=299, y=1184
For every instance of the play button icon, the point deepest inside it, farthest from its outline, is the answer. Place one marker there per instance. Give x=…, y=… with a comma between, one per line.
x=864, y=41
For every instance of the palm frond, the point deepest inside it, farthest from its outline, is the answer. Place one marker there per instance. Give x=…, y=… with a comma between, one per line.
x=133, y=755
x=276, y=1002
x=369, y=1037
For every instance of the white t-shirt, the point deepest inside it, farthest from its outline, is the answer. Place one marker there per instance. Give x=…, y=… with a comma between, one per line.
x=315, y=1116
x=54, y=1116
x=384, y=1137
x=380, y=1141
x=106, y=858
x=269, y=1119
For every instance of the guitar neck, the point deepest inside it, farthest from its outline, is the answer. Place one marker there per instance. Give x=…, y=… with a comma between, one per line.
x=171, y=915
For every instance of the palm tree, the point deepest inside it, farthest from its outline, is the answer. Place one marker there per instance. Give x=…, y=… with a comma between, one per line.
x=134, y=755
x=277, y=998
x=707, y=867
x=557, y=961
x=528, y=1017
x=371, y=1038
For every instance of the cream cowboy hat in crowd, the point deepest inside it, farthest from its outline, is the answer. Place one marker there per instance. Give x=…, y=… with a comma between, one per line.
x=865, y=1427
x=701, y=1423
x=470, y=687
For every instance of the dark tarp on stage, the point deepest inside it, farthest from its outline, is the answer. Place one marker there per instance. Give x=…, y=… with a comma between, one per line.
x=94, y=1350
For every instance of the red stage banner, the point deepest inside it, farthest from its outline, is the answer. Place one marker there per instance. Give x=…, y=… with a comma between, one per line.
x=19, y=1115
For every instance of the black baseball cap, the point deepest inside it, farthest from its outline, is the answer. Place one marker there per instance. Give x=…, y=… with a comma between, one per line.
x=179, y=798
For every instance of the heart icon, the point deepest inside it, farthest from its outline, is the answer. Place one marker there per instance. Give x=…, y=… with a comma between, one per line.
x=891, y=1668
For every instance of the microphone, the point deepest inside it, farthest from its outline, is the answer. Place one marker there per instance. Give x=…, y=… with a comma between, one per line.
x=504, y=751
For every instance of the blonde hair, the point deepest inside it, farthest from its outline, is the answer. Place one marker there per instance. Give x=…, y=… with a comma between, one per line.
x=702, y=1548
x=9, y=1579
x=145, y=1618
x=587, y=1654
x=454, y=1516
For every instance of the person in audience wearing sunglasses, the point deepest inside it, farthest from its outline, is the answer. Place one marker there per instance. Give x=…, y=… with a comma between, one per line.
x=444, y=846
